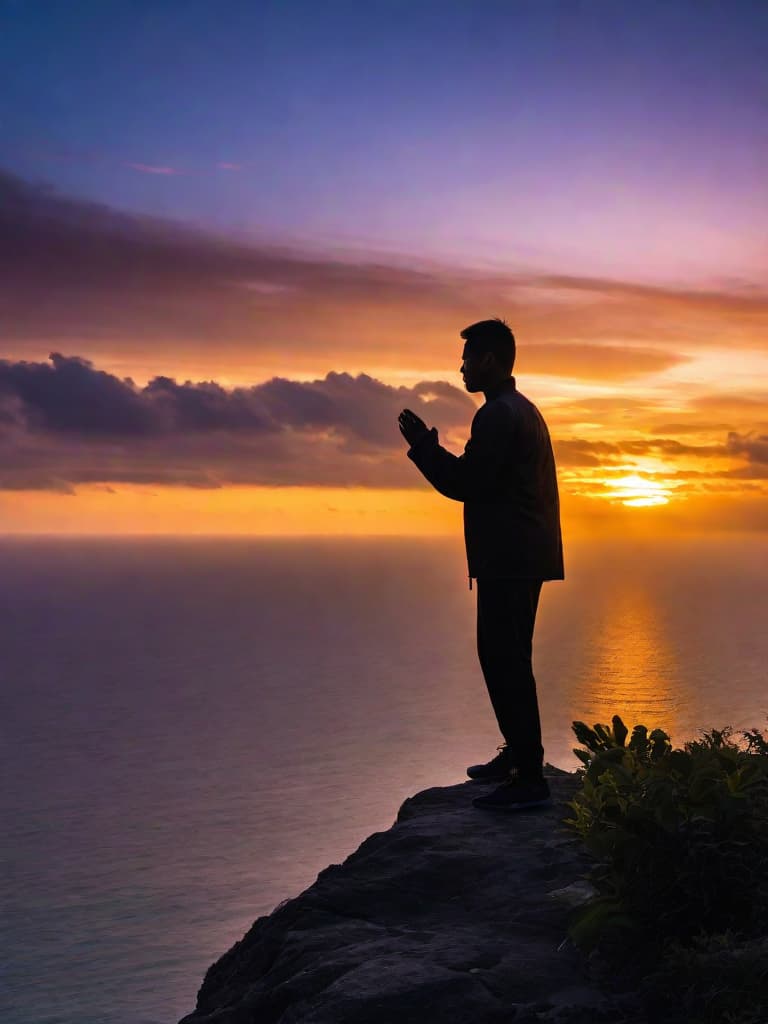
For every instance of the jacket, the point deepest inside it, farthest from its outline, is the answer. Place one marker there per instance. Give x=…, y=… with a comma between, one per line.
x=507, y=480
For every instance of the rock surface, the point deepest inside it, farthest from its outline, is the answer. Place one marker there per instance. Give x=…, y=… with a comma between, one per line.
x=447, y=916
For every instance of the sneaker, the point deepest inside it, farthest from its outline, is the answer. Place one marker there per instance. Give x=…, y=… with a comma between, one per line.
x=496, y=770
x=515, y=795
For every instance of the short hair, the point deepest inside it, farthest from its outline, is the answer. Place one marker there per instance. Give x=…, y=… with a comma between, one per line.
x=492, y=336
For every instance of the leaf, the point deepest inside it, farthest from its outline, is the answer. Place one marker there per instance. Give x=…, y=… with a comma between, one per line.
x=598, y=917
x=604, y=735
x=620, y=730
x=585, y=735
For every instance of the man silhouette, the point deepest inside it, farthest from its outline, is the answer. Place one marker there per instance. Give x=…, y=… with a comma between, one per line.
x=507, y=480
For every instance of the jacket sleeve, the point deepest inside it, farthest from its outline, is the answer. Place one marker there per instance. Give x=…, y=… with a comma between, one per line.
x=477, y=474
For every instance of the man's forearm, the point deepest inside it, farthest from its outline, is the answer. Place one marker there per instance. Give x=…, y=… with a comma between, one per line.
x=439, y=466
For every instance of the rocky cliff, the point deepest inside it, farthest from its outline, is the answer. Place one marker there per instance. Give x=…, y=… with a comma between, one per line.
x=448, y=916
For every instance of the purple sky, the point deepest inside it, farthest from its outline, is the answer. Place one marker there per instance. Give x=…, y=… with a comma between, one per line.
x=585, y=137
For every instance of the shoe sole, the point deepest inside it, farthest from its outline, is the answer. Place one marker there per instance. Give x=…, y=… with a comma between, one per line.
x=488, y=778
x=513, y=807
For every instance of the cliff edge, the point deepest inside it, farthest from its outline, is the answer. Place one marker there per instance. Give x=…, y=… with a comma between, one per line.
x=448, y=916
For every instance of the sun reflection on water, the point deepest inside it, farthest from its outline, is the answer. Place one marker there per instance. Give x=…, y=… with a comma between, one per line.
x=634, y=673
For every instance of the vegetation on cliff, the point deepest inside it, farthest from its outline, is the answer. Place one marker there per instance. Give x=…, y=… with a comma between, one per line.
x=679, y=838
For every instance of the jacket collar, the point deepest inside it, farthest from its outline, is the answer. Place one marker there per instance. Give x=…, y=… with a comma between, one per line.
x=500, y=389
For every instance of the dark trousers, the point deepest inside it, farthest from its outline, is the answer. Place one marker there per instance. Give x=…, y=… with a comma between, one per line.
x=506, y=614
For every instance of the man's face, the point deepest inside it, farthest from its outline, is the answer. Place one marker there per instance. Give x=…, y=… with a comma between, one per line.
x=475, y=368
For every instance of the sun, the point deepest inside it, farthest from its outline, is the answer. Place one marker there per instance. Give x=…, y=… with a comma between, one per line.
x=638, y=491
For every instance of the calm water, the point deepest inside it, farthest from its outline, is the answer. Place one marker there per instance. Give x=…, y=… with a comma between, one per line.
x=191, y=730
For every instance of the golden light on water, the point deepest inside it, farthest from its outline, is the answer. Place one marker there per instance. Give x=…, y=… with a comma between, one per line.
x=635, y=671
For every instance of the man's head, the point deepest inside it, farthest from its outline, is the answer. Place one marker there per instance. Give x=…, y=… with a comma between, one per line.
x=489, y=354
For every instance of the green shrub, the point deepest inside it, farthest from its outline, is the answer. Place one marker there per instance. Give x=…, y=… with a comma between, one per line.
x=679, y=838
x=716, y=979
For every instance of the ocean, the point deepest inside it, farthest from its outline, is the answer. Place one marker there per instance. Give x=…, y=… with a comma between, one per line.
x=193, y=728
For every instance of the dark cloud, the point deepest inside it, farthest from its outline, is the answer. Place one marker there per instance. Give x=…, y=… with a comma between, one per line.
x=582, y=452
x=69, y=396
x=669, y=446
x=694, y=427
x=754, y=446
x=204, y=407
x=576, y=452
x=66, y=422
x=358, y=409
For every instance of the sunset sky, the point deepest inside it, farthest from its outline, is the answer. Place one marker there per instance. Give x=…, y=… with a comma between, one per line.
x=237, y=238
